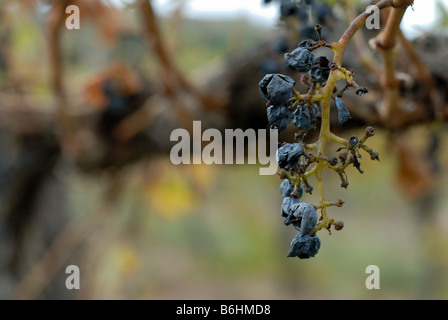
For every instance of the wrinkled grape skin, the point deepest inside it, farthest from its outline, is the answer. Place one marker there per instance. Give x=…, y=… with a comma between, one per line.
x=304, y=246
x=288, y=155
x=279, y=117
x=300, y=59
x=343, y=113
x=276, y=88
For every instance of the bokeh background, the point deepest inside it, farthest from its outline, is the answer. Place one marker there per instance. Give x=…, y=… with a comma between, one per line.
x=86, y=178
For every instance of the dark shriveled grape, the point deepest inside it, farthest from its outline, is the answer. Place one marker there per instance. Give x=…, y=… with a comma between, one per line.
x=343, y=113
x=287, y=188
x=276, y=88
x=300, y=59
x=309, y=218
x=288, y=155
x=279, y=117
x=289, y=204
x=304, y=246
x=321, y=69
x=302, y=119
x=303, y=217
x=280, y=89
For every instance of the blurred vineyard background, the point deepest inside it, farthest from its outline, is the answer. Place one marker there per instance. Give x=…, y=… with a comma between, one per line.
x=82, y=185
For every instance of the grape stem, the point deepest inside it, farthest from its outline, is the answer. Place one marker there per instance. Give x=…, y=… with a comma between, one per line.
x=338, y=73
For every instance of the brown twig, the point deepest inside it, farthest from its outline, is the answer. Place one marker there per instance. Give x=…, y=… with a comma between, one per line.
x=365, y=56
x=159, y=46
x=343, y=42
x=55, y=26
x=387, y=39
x=174, y=80
x=385, y=43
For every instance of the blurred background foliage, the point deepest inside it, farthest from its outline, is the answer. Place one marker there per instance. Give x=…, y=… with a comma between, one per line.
x=152, y=230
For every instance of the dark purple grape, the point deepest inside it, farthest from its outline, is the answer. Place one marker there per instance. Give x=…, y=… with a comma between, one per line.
x=321, y=69
x=309, y=218
x=301, y=59
x=322, y=62
x=276, y=88
x=279, y=117
x=288, y=206
x=343, y=113
x=302, y=118
x=303, y=217
x=288, y=155
x=286, y=188
x=304, y=246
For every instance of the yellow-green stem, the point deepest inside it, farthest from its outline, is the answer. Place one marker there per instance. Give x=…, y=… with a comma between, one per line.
x=325, y=135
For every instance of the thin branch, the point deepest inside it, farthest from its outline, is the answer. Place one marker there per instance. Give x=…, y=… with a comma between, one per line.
x=56, y=25
x=343, y=42
x=365, y=54
x=387, y=39
x=174, y=79
x=385, y=42
x=160, y=49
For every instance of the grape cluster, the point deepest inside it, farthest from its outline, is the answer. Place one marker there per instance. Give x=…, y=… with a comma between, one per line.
x=286, y=105
x=276, y=90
